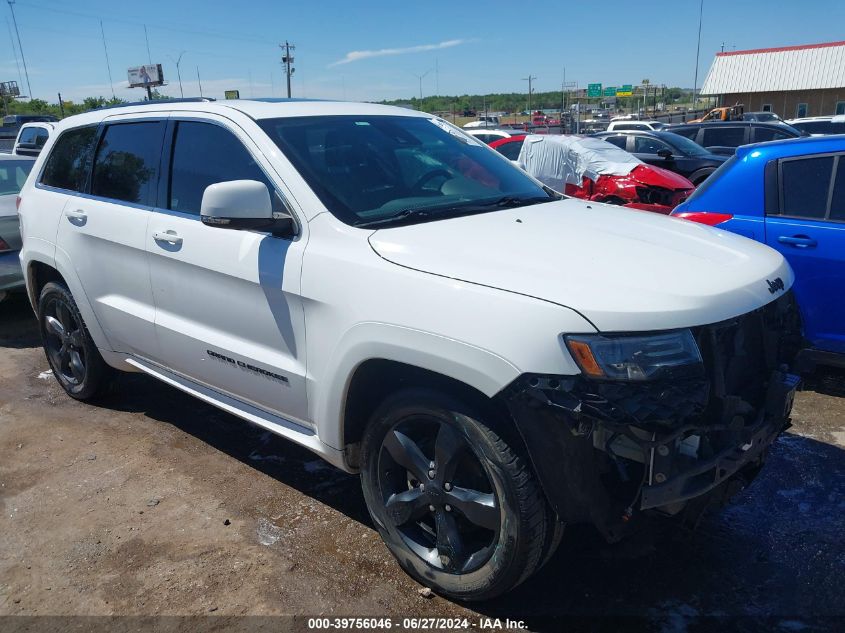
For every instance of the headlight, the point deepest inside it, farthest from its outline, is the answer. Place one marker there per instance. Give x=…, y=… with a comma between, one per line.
x=638, y=357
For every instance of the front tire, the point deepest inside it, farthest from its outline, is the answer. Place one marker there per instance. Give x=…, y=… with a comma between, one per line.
x=73, y=356
x=455, y=503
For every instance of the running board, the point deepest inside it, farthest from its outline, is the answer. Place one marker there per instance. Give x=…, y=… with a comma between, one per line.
x=278, y=425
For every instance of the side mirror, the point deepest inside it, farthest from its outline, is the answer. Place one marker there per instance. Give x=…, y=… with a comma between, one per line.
x=244, y=205
x=664, y=153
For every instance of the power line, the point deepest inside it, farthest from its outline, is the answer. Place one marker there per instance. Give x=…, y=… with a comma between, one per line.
x=697, y=50
x=20, y=48
x=14, y=50
x=108, y=65
x=139, y=22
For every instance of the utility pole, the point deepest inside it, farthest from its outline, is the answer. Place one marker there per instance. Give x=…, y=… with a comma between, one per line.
x=529, y=79
x=179, y=72
x=147, y=38
x=287, y=61
x=61, y=106
x=421, y=77
x=697, y=51
x=199, y=81
x=20, y=48
x=108, y=65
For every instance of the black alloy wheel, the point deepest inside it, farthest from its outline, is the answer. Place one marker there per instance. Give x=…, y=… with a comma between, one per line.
x=438, y=495
x=452, y=495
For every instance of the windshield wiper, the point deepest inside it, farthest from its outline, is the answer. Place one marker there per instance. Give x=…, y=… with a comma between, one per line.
x=505, y=202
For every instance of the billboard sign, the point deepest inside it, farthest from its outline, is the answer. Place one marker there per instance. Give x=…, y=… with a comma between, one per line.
x=232, y=94
x=593, y=90
x=610, y=91
x=146, y=76
x=625, y=91
x=9, y=89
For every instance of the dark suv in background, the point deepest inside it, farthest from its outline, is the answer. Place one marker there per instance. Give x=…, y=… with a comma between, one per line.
x=669, y=151
x=724, y=138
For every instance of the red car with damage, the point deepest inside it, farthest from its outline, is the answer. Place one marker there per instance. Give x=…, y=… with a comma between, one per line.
x=593, y=169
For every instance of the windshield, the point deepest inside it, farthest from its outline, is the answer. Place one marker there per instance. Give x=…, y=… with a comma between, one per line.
x=369, y=170
x=688, y=147
x=13, y=175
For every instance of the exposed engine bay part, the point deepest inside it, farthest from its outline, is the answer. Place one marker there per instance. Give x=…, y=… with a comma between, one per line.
x=606, y=450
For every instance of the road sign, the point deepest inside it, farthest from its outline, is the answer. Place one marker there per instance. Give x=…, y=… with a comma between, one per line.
x=625, y=91
x=593, y=90
x=232, y=94
x=610, y=91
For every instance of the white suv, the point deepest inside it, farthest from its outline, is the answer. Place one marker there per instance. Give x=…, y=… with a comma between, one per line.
x=376, y=285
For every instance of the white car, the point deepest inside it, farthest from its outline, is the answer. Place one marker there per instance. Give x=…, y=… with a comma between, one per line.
x=31, y=138
x=820, y=125
x=483, y=122
x=629, y=124
x=383, y=289
x=488, y=136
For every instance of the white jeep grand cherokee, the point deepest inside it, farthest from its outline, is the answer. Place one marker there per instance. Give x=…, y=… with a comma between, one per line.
x=494, y=359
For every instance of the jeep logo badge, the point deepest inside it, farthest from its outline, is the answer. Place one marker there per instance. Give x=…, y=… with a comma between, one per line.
x=775, y=285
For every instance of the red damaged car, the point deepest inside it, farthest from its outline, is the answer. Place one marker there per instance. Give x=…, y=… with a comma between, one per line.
x=593, y=169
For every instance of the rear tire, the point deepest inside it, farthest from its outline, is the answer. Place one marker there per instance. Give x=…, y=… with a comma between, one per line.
x=73, y=356
x=456, y=505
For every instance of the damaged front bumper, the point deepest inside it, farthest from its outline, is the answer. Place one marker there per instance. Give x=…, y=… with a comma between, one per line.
x=606, y=451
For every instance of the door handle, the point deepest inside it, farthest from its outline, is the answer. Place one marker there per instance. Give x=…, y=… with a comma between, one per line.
x=799, y=241
x=171, y=237
x=76, y=216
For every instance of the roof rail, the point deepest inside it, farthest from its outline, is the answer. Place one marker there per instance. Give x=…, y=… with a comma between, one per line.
x=148, y=102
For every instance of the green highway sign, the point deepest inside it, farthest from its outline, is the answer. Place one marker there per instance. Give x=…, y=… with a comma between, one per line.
x=610, y=91
x=593, y=90
x=625, y=91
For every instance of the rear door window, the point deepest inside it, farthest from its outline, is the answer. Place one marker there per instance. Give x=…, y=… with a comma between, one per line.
x=127, y=160
x=649, y=145
x=510, y=150
x=70, y=159
x=805, y=186
x=723, y=136
x=620, y=140
x=837, y=200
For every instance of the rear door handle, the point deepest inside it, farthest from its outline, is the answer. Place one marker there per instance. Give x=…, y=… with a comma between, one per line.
x=171, y=237
x=800, y=241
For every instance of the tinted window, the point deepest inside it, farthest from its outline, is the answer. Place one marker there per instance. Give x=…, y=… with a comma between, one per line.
x=762, y=134
x=67, y=166
x=620, y=140
x=648, y=145
x=724, y=136
x=630, y=126
x=689, y=132
x=13, y=174
x=205, y=154
x=821, y=127
x=34, y=135
x=837, y=204
x=805, y=184
x=840, y=107
x=510, y=150
x=126, y=165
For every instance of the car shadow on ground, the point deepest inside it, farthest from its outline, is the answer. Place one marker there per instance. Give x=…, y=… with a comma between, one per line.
x=775, y=553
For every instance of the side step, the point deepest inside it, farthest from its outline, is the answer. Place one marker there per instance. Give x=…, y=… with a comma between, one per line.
x=278, y=425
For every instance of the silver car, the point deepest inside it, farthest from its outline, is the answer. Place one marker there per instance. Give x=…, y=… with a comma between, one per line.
x=13, y=173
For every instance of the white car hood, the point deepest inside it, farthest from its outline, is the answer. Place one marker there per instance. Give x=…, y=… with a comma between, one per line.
x=624, y=270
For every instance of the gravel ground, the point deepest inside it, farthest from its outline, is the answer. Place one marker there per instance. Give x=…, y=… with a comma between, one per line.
x=153, y=503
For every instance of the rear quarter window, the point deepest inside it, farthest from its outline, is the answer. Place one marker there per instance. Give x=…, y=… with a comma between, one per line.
x=70, y=159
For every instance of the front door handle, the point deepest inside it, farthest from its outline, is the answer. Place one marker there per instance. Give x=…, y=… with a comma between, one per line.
x=170, y=237
x=799, y=241
x=77, y=216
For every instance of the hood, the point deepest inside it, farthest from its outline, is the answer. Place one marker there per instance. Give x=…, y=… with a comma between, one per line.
x=659, y=177
x=624, y=270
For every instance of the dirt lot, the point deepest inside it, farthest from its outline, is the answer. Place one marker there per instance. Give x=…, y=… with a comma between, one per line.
x=155, y=503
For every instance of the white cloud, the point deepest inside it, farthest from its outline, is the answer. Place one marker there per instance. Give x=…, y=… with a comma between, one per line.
x=355, y=56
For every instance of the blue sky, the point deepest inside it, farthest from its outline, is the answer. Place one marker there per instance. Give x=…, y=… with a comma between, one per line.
x=372, y=50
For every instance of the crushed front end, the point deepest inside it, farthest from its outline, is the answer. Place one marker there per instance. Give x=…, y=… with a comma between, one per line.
x=607, y=449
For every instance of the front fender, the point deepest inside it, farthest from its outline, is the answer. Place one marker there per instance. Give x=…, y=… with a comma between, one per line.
x=473, y=366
